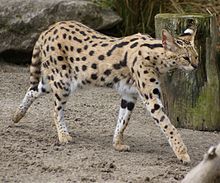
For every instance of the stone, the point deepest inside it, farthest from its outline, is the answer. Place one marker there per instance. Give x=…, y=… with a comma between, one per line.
x=21, y=21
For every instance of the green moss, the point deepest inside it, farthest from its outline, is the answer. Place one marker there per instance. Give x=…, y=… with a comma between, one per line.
x=206, y=114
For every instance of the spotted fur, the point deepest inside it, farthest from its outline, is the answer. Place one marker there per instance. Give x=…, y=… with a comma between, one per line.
x=70, y=55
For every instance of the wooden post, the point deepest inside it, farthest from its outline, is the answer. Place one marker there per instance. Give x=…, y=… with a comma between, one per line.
x=192, y=100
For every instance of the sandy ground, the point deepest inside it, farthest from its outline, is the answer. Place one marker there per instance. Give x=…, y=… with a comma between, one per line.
x=29, y=150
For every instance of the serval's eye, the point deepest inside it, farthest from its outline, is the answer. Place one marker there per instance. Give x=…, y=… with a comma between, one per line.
x=179, y=42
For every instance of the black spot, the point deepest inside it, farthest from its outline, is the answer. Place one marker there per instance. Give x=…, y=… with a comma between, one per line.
x=94, y=76
x=162, y=118
x=43, y=90
x=79, y=50
x=156, y=107
x=59, y=46
x=146, y=96
x=117, y=66
x=134, y=45
x=147, y=58
x=55, y=84
x=91, y=53
x=84, y=67
x=86, y=39
x=143, y=84
x=57, y=96
x=123, y=104
x=119, y=45
x=64, y=36
x=66, y=48
x=76, y=39
x=157, y=121
x=152, y=80
x=152, y=46
x=171, y=133
x=59, y=85
x=156, y=91
x=134, y=62
x=55, y=31
x=69, y=37
x=71, y=59
x=44, y=53
x=65, y=29
x=165, y=126
x=83, y=33
x=94, y=66
x=138, y=73
x=47, y=48
x=116, y=79
x=84, y=58
x=52, y=78
x=133, y=39
x=77, y=59
x=104, y=44
x=146, y=72
x=77, y=69
x=60, y=58
x=102, y=79
x=52, y=48
x=139, y=52
x=101, y=57
x=64, y=67
x=107, y=72
x=110, y=85
x=130, y=106
x=85, y=47
x=71, y=48
x=123, y=62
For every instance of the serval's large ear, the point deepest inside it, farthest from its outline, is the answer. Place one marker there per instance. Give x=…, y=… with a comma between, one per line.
x=168, y=41
x=189, y=34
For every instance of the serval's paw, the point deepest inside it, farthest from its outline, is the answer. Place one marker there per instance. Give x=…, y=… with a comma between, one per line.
x=64, y=137
x=182, y=155
x=121, y=147
x=18, y=115
x=185, y=158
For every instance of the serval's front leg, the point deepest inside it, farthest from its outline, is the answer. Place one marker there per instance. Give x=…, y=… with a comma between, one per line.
x=150, y=93
x=127, y=105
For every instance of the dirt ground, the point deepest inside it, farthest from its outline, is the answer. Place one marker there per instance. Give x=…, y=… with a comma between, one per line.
x=29, y=150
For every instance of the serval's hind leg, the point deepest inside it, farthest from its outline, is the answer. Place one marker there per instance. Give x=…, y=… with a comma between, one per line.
x=61, y=91
x=127, y=105
x=31, y=95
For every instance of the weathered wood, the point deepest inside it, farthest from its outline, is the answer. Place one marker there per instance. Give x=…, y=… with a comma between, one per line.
x=192, y=100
